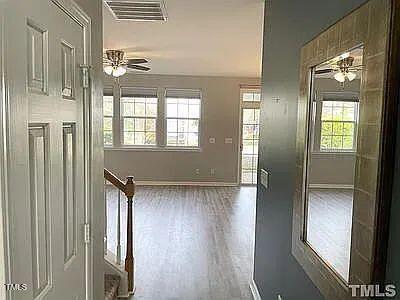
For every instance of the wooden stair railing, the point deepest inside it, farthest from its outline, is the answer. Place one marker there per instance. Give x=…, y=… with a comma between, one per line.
x=128, y=189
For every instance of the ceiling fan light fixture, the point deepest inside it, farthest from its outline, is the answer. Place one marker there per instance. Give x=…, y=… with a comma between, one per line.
x=351, y=76
x=108, y=70
x=339, y=76
x=119, y=71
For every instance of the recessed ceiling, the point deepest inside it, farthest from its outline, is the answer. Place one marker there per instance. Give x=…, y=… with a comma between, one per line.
x=200, y=37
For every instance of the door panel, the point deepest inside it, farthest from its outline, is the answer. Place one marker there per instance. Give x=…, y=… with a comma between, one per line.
x=46, y=147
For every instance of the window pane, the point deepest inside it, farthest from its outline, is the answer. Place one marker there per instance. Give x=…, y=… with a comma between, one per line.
x=108, y=124
x=247, y=162
x=326, y=128
x=108, y=106
x=249, y=116
x=128, y=108
x=140, y=128
x=151, y=110
x=129, y=124
x=108, y=120
x=183, y=125
x=247, y=177
x=194, y=111
x=183, y=116
x=194, y=126
x=139, y=124
x=193, y=139
x=172, y=110
x=338, y=125
x=140, y=109
x=150, y=125
x=139, y=138
x=348, y=142
x=129, y=138
x=183, y=110
x=172, y=125
x=108, y=141
x=172, y=139
x=326, y=142
x=248, y=97
x=150, y=138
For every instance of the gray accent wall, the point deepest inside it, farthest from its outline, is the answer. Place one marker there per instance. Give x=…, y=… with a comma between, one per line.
x=220, y=120
x=288, y=26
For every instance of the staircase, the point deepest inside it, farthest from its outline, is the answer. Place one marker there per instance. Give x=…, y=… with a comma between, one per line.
x=119, y=278
x=111, y=286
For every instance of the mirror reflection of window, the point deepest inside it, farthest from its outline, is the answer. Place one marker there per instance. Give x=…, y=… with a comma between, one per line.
x=331, y=158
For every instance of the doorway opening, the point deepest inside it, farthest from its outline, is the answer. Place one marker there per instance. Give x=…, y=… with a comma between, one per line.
x=250, y=99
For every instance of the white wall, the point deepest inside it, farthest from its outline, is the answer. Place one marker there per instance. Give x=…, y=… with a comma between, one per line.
x=220, y=119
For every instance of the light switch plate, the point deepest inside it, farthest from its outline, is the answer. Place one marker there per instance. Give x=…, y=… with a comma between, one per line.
x=228, y=140
x=212, y=140
x=264, y=178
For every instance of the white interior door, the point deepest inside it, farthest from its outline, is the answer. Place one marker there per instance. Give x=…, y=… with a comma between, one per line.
x=45, y=47
x=250, y=128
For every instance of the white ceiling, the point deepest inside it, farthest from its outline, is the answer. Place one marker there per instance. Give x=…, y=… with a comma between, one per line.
x=201, y=37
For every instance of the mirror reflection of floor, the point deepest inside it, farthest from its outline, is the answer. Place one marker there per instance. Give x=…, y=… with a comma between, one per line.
x=329, y=226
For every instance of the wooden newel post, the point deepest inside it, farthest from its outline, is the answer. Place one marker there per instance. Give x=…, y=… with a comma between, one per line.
x=129, y=260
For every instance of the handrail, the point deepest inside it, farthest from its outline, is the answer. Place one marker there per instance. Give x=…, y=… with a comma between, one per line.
x=128, y=189
x=114, y=180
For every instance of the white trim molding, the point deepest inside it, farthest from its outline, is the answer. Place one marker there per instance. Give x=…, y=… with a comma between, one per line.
x=254, y=290
x=331, y=186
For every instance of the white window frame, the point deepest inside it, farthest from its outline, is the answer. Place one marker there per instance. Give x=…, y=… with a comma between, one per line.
x=122, y=119
x=108, y=93
x=246, y=105
x=161, y=121
x=340, y=97
x=165, y=133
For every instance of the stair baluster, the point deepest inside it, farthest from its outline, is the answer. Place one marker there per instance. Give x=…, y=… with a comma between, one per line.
x=128, y=189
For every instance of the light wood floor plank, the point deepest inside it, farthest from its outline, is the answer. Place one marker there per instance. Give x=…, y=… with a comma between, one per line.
x=191, y=242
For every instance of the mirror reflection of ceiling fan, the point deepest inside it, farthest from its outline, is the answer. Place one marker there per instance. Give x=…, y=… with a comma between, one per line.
x=344, y=69
x=116, y=64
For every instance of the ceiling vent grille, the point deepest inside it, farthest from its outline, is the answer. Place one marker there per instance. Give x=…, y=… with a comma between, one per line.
x=138, y=10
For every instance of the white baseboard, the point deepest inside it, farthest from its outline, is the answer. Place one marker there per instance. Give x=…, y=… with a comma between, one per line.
x=254, y=290
x=185, y=183
x=331, y=186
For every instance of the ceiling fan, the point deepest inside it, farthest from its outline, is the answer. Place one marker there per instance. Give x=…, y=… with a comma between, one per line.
x=344, y=69
x=116, y=64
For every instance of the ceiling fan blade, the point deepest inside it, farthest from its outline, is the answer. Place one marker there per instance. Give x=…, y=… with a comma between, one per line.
x=324, y=71
x=136, y=67
x=132, y=61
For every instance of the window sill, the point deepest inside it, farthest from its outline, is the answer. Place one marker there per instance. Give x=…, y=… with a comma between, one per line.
x=153, y=149
x=336, y=153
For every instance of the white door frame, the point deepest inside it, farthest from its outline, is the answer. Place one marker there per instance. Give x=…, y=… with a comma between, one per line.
x=4, y=245
x=242, y=105
x=70, y=8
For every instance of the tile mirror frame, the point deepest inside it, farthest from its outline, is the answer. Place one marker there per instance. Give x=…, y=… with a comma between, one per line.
x=368, y=26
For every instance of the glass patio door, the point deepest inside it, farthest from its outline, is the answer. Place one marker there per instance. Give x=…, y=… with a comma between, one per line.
x=250, y=127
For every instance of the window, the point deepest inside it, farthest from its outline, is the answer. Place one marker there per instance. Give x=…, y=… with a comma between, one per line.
x=251, y=95
x=139, y=119
x=108, y=112
x=250, y=106
x=183, y=118
x=338, y=125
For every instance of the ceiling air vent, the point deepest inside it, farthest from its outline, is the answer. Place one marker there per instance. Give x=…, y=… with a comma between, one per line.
x=138, y=10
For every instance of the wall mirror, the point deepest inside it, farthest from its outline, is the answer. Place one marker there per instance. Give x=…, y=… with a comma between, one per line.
x=333, y=128
x=342, y=151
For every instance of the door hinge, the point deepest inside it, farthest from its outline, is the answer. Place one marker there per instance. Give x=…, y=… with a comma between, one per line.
x=86, y=233
x=85, y=74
